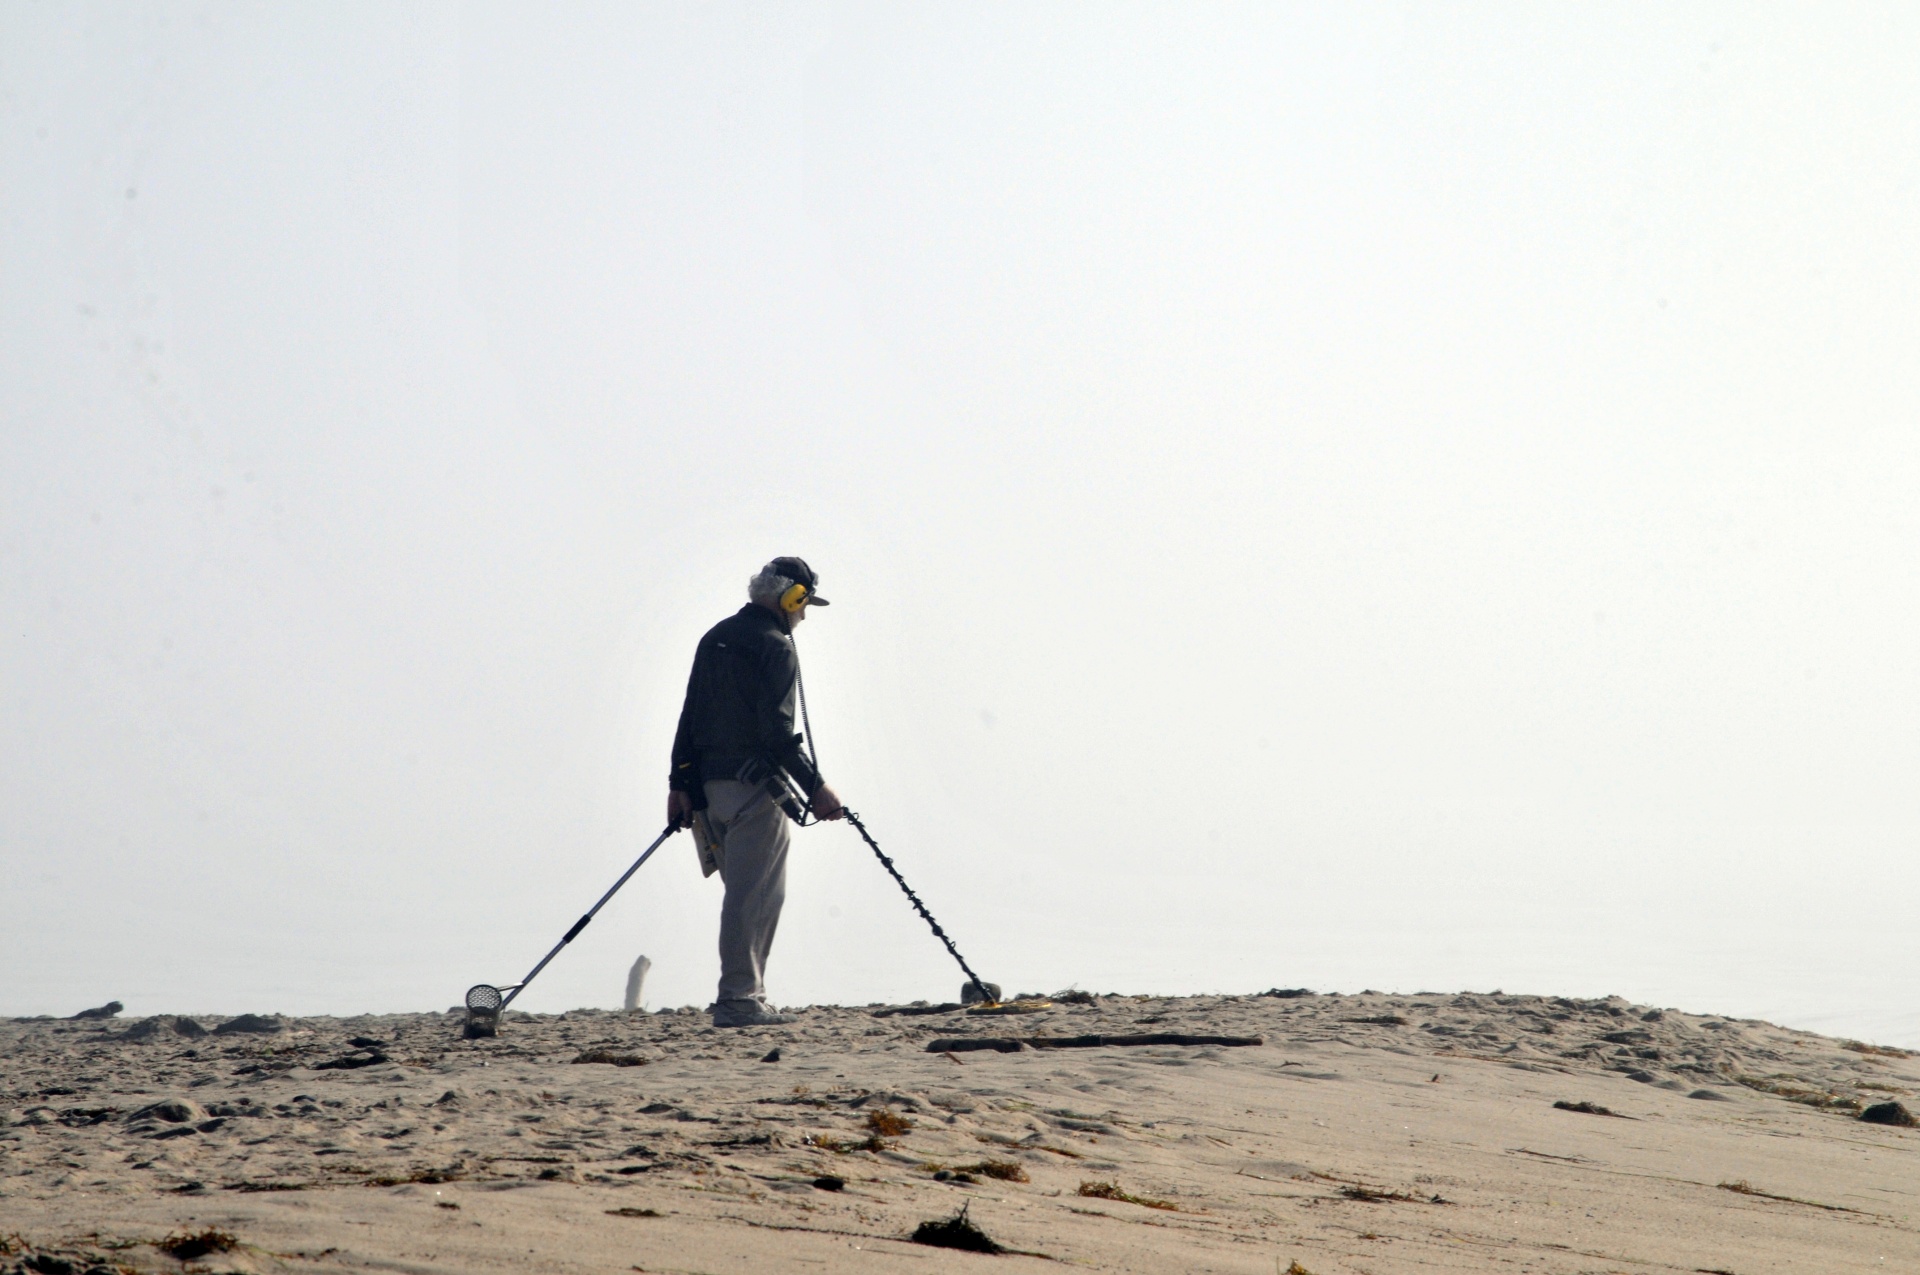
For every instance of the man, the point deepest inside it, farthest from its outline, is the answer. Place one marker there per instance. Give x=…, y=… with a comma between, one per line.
x=736, y=730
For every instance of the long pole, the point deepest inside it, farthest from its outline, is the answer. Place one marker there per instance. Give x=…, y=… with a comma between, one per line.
x=581, y=924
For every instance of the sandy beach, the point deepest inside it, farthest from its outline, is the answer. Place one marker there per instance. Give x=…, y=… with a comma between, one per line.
x=1366, y=1134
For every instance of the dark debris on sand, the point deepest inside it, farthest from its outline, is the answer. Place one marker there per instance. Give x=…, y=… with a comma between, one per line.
x=18, y=1257
x=1890, y=1113
x=958, y=1232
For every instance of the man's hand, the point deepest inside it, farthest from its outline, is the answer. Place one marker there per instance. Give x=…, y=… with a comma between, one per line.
x=679, y=808
x=825, y=805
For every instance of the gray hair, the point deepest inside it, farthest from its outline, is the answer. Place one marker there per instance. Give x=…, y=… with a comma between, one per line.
x=767, y=586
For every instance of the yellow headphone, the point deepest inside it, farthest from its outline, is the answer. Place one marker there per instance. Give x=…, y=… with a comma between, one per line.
x=794, y=598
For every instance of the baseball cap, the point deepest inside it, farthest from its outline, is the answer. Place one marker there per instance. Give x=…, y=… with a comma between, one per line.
x=797, y=570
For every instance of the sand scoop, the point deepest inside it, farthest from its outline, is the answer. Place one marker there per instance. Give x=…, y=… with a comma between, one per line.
x=485, y=1002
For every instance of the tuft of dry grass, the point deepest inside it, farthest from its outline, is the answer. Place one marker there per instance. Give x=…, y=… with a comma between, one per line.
x=1352, y=1189
x=1108, y=1191
x=433, y=1177
x=1375, y=1195
x=1293, y=1268
x=612, y=1058
x=1001, y=1140
x=1002, y=1170
x=1878, y=1051
x=1744, y=1187
x=1794, y=1089
x=840, y=1146
x=888, y=1124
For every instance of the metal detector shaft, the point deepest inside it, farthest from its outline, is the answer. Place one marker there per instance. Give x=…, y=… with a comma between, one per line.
x=581, y=924
x=918, y=906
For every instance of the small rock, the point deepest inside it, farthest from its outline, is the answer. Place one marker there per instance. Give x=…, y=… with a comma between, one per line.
x=256, y=1023
x=772, y=1055
x=107, y=1010
x=1709, y=1095
x=367, y=1042
x=970, y=993
x=1890, y=1113
x=1288, y=993
x=828, y=1182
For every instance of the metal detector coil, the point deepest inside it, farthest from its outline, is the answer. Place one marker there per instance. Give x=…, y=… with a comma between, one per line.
x=483, y=1010
x=485, y=1002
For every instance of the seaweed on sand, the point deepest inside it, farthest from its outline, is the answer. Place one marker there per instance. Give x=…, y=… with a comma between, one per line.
x=1002, y=1170
x=1108, y=1191
x=958, y=1232
x=612, y=1058
x=888, y=1124
x=187, y=1246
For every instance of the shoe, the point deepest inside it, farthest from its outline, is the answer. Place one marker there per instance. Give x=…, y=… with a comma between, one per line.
x=759, y=1016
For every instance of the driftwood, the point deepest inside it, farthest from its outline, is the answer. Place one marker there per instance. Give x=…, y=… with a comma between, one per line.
x=903, y=1010
x=1010, y=1045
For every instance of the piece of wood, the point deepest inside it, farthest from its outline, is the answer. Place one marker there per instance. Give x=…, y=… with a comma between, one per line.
x=1009, y=1045
x=906, y=1010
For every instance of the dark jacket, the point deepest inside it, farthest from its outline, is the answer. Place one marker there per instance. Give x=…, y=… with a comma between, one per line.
x=739, y=705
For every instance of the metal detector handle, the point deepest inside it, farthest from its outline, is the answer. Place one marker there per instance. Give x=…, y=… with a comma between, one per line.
x=581, y=924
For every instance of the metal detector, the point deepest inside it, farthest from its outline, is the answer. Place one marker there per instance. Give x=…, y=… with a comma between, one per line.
x=485, y=1002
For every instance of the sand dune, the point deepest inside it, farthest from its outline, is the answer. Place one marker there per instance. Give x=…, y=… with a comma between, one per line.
x=1367, y=1134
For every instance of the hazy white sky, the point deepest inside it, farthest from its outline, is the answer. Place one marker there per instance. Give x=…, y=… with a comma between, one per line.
x=1354, y=496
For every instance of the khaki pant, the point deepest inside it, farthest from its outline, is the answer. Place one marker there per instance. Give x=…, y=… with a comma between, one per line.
x=754, y=836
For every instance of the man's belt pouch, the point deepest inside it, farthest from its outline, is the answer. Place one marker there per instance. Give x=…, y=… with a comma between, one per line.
x=713, y=855
x=762, y=774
